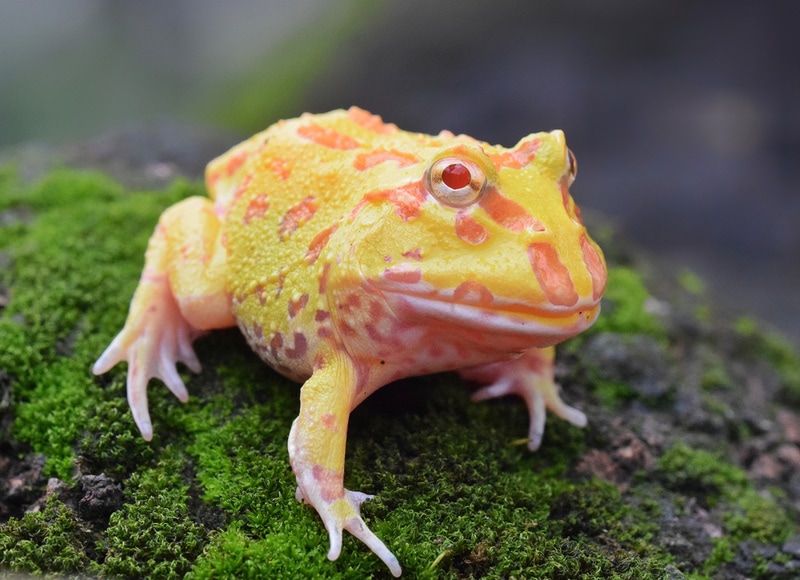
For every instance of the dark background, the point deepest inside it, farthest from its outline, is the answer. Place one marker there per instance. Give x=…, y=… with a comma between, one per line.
x=684, y=115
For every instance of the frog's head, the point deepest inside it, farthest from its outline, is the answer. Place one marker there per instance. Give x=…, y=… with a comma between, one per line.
x=487, y=238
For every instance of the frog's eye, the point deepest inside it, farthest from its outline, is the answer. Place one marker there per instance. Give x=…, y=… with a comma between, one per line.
x=573, y=166
x=456, y=182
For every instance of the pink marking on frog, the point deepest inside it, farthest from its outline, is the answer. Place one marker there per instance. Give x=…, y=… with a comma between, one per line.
x=256, y=209
x=235, y=162
x=472, y=292
x=327, y=137
x=281, y=281
x=508, y=213
x=152, y=276
x=347, y=329
x=370, y=122
x=376, y=310
x=373, y=333
x=406, y=199
x=552, y=275
x=323, y=278
x=469, y=230
x=403, y=276
x=281, y=168
x=260, y=293
x=318, y=243
x=352, y=303
x=415, y=254
x=300, y=346
x=321, y=315
x=372, y=158
x=276, y=344
x=329, y=422
x=595, y=266
x=324, y=332
x=295, y=306
x=297, y=215
x=329, y=482
x=517, y=158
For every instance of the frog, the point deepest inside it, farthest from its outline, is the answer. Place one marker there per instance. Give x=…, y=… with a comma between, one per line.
x=352, y=254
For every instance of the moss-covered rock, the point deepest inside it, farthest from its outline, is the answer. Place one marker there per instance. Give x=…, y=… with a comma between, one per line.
x=689, y=465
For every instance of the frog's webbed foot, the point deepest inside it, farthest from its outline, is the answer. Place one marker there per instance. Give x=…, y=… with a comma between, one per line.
x=153, y=342
x=344, y=513
x=529, y=376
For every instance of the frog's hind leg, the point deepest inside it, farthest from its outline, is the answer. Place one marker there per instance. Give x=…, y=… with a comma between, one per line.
x=181, y=293
x=316, y=451
x=531, y=377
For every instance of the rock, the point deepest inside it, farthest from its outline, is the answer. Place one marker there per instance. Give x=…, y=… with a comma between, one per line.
x=102, y=496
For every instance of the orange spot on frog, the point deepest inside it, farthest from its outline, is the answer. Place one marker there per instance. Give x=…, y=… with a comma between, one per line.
x=371, y=159
x=327, y=137
x=297, y=215
x=469, y=230
x=256, y=209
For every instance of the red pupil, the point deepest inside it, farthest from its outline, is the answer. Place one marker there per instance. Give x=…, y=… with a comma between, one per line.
x=456, y=176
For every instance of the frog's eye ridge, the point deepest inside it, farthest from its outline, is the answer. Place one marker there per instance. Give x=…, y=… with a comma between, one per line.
x=456, y=182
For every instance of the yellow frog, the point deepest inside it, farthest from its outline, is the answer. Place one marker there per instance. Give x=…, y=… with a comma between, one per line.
x=351, y=254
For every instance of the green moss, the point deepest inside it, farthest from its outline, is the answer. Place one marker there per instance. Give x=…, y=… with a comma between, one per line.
x=716, y=376
x=152, y=535
x=625, y=306
x=611, y=394
x=110, y=444
x=704, y=473
x=450, y=488
x=42, y=542
x=692, y=283
x=74, y=267
x=718, y=484
x=776, y=350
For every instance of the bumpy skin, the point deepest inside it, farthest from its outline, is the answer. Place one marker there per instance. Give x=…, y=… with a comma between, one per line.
x=352, y=254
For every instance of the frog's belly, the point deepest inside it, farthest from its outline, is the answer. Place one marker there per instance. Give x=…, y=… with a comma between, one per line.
x=287, y=352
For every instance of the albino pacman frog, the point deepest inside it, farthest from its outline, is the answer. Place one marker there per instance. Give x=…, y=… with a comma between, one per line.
x=352, y=254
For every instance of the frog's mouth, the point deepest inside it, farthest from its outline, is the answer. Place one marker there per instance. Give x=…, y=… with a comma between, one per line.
x=543, y=325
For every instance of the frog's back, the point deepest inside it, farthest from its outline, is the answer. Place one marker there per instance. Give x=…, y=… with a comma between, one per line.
x=284, y=192
x=286, y=185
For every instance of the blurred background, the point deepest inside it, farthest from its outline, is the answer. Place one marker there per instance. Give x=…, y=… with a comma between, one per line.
x=684, y=115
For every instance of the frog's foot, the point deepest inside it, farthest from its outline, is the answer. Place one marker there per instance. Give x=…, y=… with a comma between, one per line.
x=344, y=513
x=529, y=376
x=155, y=338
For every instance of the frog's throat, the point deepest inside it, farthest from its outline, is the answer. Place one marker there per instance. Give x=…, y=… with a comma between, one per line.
x=551, y=325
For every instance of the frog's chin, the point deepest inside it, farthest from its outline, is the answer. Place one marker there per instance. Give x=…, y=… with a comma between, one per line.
x=541, y=326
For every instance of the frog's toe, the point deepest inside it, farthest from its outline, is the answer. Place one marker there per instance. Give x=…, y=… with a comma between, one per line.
x=137, y=400
x=359, y=529
x=168, y=373
x=185, y=353
x=110, y=357
x=349, y=518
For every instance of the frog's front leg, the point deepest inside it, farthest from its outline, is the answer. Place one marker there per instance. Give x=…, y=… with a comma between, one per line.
x=531, y=377
x=181, y=293
x=317, y=448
